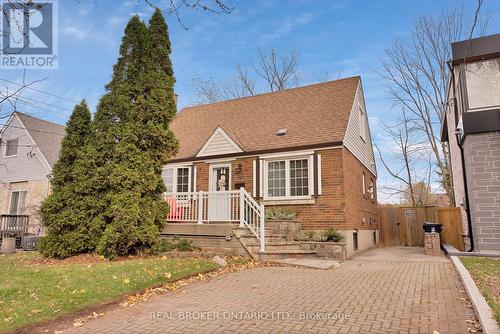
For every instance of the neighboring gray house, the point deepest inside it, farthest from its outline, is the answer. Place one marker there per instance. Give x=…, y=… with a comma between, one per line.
x=471, y=126
x=29, y=148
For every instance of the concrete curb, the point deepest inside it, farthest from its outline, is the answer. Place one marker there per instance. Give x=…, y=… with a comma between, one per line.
x=452, y=251
x=483, y=311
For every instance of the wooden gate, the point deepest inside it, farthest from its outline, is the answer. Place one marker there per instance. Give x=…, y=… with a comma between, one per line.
x=404, y=226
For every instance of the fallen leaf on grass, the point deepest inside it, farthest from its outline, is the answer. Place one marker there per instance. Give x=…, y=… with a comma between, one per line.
x=148, y=293
x=126, y=281
x=78, y=323
x=167, y=275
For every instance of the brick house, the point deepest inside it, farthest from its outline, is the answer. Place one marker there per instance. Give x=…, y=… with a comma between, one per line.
x=471, y=127
x=307, y=149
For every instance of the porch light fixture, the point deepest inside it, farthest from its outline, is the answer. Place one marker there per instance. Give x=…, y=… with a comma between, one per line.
x=281, y=132
x=238, y=168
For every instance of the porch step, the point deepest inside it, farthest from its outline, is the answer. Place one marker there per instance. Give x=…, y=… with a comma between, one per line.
x=285, y=254
x=275, y=245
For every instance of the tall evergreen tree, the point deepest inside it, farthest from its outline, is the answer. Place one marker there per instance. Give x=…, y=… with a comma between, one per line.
x=133, y=141
x=65, y=234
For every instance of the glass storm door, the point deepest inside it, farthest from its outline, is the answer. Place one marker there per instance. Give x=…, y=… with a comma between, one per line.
x=219, y=206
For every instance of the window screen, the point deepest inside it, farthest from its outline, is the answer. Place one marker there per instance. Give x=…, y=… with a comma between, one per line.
x=276, y=179
x=299, y=178
x=182, y=180
x=11, y=147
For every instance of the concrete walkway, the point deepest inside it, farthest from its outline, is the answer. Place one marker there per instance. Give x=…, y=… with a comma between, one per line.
x=389, y=290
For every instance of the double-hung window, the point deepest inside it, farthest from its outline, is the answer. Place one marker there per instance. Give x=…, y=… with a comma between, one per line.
x=11, y=147
x=18, y=202
x=287, y=178
x=363, y=184
x=177, y=179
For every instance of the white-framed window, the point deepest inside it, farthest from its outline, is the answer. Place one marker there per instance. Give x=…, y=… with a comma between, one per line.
x=17, y=202
x=362, y=124
x=299, y=177
x=11, y=147
x=363, y=183
x=372, y=189
x=177, y=179
x=276, y=178
x=287, y=178
x=183, y=180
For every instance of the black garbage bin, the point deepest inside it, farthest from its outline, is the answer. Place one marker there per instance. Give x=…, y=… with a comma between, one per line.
x=432, y=227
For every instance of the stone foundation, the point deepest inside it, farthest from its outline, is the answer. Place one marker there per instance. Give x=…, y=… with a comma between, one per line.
x=334, y=250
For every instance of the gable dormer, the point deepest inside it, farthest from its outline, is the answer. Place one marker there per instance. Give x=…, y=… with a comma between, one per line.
x=219, y=143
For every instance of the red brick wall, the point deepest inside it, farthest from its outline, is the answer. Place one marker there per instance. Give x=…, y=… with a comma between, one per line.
x=359, y=206
x=328, y=209
x=341, y=205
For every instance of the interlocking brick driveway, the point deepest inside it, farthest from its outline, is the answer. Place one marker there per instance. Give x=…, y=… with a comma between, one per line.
x=389, y=290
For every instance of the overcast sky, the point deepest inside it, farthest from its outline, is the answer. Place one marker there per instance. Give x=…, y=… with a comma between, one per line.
x=343, y=37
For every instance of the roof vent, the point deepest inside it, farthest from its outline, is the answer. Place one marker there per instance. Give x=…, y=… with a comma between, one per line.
x=281, y=132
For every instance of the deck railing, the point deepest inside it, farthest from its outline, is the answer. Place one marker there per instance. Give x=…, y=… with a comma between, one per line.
x=13, y=225
x=233, y=206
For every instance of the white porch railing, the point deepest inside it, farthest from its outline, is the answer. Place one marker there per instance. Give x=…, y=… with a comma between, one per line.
x=234, y=206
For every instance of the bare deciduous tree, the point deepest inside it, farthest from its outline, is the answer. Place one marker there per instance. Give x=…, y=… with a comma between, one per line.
x=403, y=136
x=278, y=71
x=417, y=75
x=175, y=6
x=274, y=72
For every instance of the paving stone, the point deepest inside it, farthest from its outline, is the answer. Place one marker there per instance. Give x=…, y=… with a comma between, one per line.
x=389, y=290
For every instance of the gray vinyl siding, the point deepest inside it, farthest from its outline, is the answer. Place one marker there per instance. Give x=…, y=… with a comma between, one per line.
x=28, y=164
x=360, y=148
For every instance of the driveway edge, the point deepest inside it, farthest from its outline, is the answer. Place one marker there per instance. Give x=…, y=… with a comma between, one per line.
x=483, y=310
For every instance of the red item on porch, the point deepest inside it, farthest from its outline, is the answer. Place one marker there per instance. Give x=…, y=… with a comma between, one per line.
x=175, y=212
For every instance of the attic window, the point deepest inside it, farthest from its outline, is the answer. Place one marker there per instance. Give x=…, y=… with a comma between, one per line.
x=281, y=132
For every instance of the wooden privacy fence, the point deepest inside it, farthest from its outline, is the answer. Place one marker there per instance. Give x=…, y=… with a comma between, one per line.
x=404, y=226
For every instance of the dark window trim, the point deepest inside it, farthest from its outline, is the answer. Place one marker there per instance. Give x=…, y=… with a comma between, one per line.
x=481, y=121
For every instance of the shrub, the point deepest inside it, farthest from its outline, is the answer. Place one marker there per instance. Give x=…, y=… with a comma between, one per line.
x=333, y=235
x=163, y=245
x=177, y=243
x=319, y=236
x=281, y=214
x=301, y=236
x=185, y=245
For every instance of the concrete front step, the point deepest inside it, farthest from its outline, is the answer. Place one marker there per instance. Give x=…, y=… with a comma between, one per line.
x=275, y=246
x=285, y=254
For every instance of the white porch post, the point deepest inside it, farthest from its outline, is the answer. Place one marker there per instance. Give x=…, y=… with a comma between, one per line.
x=262, y=229
x=200, y=207
x=242, y=207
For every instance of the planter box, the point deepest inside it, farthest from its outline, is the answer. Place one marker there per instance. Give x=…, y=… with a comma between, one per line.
x=328, y=249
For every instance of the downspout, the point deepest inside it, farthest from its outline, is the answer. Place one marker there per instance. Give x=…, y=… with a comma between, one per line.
x=462, y=158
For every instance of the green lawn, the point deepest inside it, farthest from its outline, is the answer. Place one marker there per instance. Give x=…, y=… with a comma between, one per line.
x=486, y=274
x=31, y=291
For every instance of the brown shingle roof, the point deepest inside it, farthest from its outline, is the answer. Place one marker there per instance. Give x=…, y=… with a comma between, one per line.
x=315, y=114
x=47, y=136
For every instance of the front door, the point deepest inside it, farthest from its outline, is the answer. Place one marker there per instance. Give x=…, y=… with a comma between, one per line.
x=219, y=202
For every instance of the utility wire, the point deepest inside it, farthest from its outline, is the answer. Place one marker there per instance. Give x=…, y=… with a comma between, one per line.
x=30, y=129
x=35, y=101
x=41, y=91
